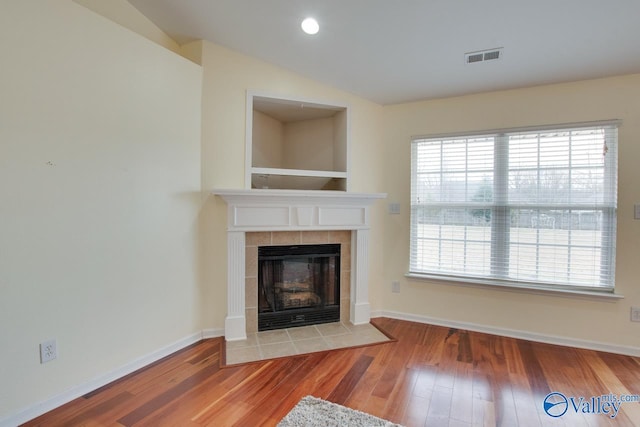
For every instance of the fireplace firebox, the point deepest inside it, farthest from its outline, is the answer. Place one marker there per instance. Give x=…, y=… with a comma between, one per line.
x=298, y=285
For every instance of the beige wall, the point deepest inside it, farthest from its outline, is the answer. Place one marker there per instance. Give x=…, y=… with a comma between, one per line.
x=268, y=141
x=227, y=78
x=308, y=144
x=340, y=132
x=574, y=318
x=99, y=198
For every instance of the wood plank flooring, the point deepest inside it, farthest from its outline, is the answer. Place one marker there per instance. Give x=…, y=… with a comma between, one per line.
x=431, y=376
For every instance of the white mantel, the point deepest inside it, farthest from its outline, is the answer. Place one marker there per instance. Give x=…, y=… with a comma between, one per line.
x=295, y=210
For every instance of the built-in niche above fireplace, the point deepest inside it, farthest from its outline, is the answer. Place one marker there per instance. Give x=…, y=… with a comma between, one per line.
x=298, y=285
x=295, y=143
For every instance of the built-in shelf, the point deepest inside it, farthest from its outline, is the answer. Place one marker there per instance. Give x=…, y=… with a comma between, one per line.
x=297, y=179
x=299, y=172
x=296, y=144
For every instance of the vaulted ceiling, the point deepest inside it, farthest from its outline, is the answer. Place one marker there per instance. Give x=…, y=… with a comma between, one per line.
x=392, y=51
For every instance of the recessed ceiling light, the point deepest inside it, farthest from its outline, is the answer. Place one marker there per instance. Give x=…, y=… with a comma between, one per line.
x=310, y=26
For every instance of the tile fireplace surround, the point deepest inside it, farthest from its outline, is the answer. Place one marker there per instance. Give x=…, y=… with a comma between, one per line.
x=250, y=211
x=254, y=240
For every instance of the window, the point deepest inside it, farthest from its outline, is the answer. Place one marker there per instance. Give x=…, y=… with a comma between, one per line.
x=533, y=207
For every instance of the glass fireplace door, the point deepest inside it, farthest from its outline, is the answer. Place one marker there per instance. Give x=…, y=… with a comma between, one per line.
x=298, y=285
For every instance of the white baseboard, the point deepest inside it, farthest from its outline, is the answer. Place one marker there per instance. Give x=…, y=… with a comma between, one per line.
x=512, y=333
x=51, y=403
x=212, y=333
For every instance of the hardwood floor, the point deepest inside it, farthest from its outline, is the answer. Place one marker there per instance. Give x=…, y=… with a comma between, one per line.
x=430, y=376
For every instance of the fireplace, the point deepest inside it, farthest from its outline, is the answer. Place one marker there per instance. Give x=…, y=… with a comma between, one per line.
x=298, y=285
x=262, y=212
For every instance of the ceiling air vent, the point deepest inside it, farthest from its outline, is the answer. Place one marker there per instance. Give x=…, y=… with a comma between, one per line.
x=476, y=57
x=484, y=55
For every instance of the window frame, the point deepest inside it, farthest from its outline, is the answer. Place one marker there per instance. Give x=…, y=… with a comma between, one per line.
x=499, y=278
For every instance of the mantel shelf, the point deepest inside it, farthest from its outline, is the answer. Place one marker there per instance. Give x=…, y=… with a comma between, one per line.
x=270, y=196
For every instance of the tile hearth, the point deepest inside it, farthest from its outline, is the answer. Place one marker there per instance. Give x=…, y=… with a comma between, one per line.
x=301, y=340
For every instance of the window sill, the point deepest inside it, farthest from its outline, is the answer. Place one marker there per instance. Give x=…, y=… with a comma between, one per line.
x=530, y=289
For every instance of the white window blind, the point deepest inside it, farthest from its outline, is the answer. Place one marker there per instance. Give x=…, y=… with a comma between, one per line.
x=534, y=207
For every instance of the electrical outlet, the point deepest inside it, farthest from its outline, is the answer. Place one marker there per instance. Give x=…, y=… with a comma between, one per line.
x=395, y=287
x=48, y=351
x=635, y=314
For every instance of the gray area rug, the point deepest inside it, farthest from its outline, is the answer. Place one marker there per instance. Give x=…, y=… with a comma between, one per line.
x=312, y=412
